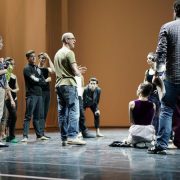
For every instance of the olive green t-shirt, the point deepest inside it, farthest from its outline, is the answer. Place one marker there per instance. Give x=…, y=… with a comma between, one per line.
x=62, y=63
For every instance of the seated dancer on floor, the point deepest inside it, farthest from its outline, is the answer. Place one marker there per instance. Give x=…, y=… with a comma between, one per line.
x=141, y=113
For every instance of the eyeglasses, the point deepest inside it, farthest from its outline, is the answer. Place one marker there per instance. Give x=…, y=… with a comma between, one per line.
x=72, y=38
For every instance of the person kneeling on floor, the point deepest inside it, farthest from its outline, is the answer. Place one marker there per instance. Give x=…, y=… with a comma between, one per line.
x=141, y=113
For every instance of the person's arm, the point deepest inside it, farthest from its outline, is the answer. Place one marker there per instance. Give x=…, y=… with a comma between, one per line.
x=10, y=98
x=131, y=107
x=3, y=71
x=51, y=68
x=84, y=97
x=16, y=86
x=35, y=80
x=145, y=76
x=154, y=108
x=77, y=70
x=98, y=91
x=161, y=50
x=98, y=95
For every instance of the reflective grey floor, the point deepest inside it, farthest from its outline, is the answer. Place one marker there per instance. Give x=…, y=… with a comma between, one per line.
x=96, y=160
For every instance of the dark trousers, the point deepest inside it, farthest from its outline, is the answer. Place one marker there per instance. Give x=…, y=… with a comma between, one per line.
x=33, y=108
x=44, y=110
x=11, y=119
x=176, y=124
x=96, y=116
x=82, y=123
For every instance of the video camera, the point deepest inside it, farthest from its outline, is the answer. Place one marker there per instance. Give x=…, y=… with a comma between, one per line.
x=6, y=64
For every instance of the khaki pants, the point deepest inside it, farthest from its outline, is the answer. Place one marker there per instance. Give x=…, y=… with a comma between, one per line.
x=2, y=96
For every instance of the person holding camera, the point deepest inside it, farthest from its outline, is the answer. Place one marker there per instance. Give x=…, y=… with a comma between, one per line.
x=3, y=86
x=43, y=60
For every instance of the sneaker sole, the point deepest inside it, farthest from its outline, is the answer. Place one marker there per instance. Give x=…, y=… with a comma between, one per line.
x=75, y=143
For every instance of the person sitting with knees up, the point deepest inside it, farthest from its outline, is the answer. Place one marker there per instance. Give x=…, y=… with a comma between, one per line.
x=141, y=113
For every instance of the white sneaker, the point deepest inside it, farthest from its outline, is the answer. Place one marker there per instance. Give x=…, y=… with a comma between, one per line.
x=172, y=146
x=79, y=135
x=99, y=135
x=25, y=139
x=76, y=141
x=43, y=138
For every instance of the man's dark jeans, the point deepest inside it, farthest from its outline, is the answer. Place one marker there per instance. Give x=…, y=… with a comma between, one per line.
x=33, y=109
x=68, y=111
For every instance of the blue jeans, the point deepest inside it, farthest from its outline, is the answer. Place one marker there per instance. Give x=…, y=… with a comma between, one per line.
x=155, y=99
x=166, y=113
x=68, y=111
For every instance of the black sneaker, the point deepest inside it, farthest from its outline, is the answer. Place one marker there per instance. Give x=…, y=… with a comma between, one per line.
x=3, y=145
x=64, y=143
x=87, y=134
x=156, y=150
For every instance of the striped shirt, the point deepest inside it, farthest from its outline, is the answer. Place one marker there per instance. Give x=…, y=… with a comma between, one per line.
x=168, y=50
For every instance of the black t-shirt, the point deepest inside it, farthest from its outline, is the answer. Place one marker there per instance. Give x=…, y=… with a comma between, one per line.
x=45, y=73
x=33, y=87
x=12, y=85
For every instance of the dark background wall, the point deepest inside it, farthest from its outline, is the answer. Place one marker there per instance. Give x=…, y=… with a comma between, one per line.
x=113, y=39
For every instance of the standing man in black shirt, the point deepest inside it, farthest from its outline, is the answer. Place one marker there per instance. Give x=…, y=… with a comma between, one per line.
x=33, y=82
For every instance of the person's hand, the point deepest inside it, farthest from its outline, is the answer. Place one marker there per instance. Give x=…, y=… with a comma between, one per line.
x=82, y=69
x=7, y=88
x=46, y=56
x=1, y=59
x=97, y=112
x=13, y=103
x=48, y=79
